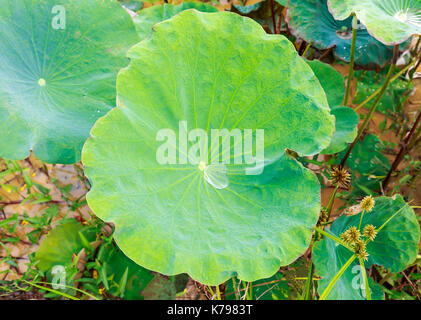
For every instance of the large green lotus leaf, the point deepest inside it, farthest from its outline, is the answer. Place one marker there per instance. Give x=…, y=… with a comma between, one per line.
x=328, y=258
x=346, y=119
x=148, y=17
x=58, y=67
x=312, y=21
x=367, y=162
x=212, y=70
x=396, y=245
x=391, y=22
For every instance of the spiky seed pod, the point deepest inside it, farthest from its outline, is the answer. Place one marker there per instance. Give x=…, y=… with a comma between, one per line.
x=360, y=249
x=340, y=176
x=370, y=232
x=363, y=255
x=367, y=203
x=351, y=236
x=324, y=216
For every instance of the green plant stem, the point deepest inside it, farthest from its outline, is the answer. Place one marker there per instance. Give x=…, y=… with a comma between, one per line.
x=334, y=238
x=211, y=291
x=361, y=219
x=247, y=290
x=309, y=282
x=234, y=285
x=388, y=220
x=351, y=62
x=51, y=290
x=218, y=293
x=365, y=279
x=306, y=50
x=331, y=201
x=336, y=277
x=250, y=292
x=370, y=114
x=371, y=97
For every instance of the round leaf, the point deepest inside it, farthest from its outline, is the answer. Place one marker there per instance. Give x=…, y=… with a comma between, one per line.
x=391, y=22
x=396, y=245
x=312, y=21
x=247, y=9
x=346, y=129
x=148, y=17
x=346, y=119
x=328, y=258
x=60, y=244
x=58, y=67
x=210, y=71
x=331, y=80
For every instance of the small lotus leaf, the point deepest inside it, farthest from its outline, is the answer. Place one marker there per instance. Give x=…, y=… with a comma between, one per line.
x=148, y=17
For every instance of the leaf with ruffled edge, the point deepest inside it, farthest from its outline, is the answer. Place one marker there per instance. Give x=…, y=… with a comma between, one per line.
x=211, y=70
x=391, y=22
x=346, y=119
x=148, y=17
x=312, y=21
x=394, y=247
x=58, y=67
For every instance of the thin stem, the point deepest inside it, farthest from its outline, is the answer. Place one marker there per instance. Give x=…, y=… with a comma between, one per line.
x=362, y=104
x=365, y=279
x=246, y=290
x=405, y=148
x=278, y=28
x=309, y=282
x=306, y=50
x=388, y=220
x=351, y=62
x=234, y=285
x=331, y=201
x=211, y=291
x=361, y=219
x=218, y=293
x=336, y=277
x=370, y=114
x=334, y=238
x=272, y=9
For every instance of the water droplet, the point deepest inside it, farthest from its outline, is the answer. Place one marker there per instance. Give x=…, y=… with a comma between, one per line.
x=216, y=175
x=42, y=82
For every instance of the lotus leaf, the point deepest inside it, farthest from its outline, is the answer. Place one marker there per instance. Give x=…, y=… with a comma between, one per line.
x=391, y=22
x=210, y=220
x=312, y=21
x=58, y=68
